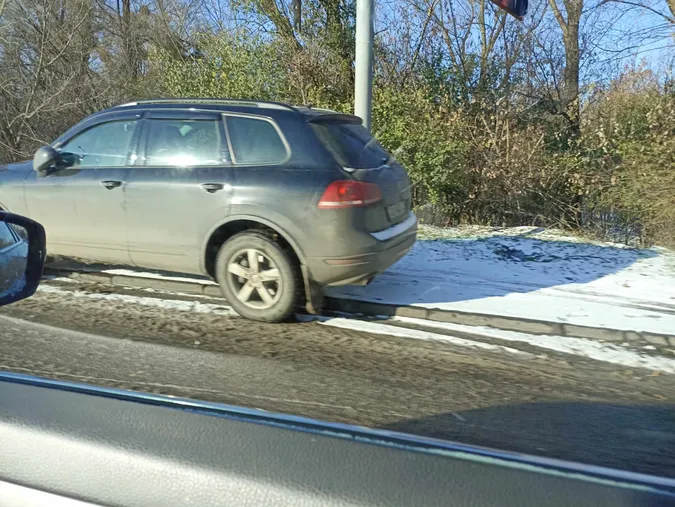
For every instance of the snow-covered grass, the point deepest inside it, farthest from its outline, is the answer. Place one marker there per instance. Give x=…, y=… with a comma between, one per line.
x=532, y=273
x=430, y=232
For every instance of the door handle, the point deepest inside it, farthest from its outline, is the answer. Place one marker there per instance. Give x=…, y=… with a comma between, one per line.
x=110, y=184
x=212, y=187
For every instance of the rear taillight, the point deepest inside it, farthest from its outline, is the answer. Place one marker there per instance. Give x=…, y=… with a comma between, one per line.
x=349, y=194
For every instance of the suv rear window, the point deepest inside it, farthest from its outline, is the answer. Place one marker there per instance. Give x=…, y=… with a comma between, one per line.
x=351, y=144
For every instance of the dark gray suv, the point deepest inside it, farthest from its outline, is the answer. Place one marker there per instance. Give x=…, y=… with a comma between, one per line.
x=272, y=201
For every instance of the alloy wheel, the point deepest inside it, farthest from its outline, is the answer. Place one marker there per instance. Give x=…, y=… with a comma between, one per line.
x=254, y=279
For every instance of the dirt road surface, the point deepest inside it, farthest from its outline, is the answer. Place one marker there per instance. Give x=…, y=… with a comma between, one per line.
x=536, y=402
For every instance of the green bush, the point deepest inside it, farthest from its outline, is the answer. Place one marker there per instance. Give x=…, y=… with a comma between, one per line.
x=227, y=65
x=479, y=162
x=429, y=143
x=632, y=131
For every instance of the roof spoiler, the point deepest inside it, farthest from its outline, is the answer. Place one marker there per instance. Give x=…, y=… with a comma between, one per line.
x=336, y=118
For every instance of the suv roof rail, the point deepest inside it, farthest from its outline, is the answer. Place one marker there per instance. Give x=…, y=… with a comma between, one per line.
x=324, y=109
x=234, y=102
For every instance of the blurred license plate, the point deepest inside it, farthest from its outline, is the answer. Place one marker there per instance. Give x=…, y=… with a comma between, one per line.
x=396, y=210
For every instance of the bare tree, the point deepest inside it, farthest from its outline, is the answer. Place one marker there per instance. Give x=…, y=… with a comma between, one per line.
x=41, y=64
x=568, y=15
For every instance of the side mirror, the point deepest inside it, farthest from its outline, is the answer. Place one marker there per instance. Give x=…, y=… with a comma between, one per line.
x=22, y=257
x=44, y=158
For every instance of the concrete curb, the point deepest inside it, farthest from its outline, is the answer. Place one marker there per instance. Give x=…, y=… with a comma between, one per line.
x=367, y=308
x=505, y=323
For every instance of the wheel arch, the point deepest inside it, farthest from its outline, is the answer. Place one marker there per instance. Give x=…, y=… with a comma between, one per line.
x=239, y=223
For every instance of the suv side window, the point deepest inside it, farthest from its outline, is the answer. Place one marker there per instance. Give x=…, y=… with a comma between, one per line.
x=7, y=237
x=183, y=142
x=255, y=141
x=20, y=232
x=12, y=261
x=103, y=145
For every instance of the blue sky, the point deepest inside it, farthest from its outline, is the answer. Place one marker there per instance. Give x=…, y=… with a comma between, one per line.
x=629, y=35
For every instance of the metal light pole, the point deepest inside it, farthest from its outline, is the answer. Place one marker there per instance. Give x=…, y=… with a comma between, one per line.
x=363, y=82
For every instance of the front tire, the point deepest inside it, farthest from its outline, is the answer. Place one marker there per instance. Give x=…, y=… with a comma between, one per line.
x=258, y=277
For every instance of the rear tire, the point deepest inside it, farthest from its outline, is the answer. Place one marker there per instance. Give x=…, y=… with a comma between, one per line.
x=258, y=277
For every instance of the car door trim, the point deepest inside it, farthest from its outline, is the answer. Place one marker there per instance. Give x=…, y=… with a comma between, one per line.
x=166, y=450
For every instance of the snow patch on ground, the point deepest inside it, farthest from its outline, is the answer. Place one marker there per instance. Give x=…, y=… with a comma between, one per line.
x=158, y=276
x=528, y=272
x=375, y=328
x=591, y=349
x=65, y=279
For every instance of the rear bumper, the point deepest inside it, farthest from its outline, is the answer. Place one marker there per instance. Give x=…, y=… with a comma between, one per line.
x=388, y=247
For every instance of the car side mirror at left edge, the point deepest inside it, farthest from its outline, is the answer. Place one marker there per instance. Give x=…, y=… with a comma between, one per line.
x=22, y=257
